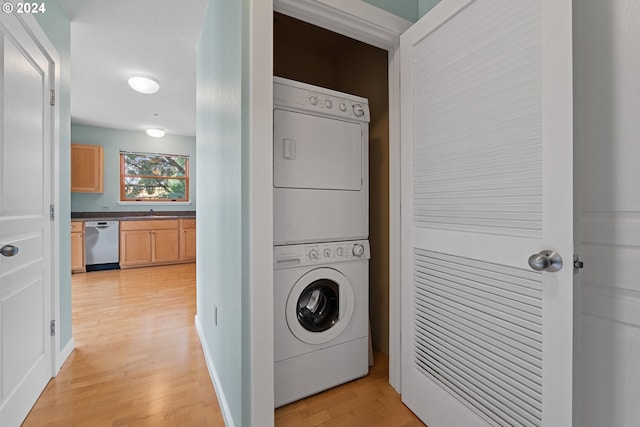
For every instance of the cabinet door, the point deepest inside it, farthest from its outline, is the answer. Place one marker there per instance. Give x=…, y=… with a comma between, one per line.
x=86, y=168
x=135, y=247
x=165, y=245
x=77, y=251
x=188, y=244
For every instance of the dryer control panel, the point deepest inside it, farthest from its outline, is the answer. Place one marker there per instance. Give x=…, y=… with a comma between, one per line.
x=289, y=93
x=290, y=256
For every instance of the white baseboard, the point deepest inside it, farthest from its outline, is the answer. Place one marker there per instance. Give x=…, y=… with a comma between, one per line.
x=222, y=400
x=64, y=354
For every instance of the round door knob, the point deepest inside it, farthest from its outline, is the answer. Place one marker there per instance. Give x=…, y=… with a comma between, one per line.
x=358, y=249
x=546, y=261
x=9, y=250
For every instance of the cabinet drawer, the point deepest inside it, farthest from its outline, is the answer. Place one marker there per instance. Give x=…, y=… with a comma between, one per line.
x=188, y=223
x=76, y=226
x=154, y=224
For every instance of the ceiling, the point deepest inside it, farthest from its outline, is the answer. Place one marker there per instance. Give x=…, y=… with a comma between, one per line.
x=117, y=39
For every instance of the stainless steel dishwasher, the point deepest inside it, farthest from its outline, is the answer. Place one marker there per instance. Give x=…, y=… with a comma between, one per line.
x=101, y=245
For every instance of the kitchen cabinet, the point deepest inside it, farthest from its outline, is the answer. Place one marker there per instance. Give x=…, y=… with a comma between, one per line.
x=135, y=247
x=149, y=242
x=188, y=240
x=77, y=247
x=87, y=168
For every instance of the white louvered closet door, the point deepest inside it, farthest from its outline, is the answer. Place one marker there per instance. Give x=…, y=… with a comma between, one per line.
x=487, y=181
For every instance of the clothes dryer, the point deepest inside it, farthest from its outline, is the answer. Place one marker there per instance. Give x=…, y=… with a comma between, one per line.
x=321, y=305
x=320, y=164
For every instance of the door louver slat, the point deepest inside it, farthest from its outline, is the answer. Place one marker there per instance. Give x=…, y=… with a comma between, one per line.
x=478, y=333
x=477, y=147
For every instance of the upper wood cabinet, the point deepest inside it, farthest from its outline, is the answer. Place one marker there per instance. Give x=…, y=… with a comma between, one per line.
x=87, y=168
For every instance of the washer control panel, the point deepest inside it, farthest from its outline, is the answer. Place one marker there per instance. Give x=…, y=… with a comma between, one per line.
x=289, y=256
x=325, y=101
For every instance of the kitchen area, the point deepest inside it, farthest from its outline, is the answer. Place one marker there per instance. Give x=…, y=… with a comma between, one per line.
x=110, y=229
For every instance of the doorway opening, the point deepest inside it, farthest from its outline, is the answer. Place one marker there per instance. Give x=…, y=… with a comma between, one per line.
x=327, y=59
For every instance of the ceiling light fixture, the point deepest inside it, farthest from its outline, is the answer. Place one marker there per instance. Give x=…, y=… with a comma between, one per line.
x=144, y=85
x=156, y=133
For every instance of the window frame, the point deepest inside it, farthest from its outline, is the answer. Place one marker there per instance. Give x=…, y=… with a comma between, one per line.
x=123, y=176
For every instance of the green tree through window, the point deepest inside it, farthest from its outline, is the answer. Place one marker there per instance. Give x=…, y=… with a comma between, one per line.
x=154, y=177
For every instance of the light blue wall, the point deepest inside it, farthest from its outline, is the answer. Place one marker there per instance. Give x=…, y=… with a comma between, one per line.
x=113, y=140
x=411, y=10
x=55, y=23
x=220, y=210
x=425, y=6
x=407, y=9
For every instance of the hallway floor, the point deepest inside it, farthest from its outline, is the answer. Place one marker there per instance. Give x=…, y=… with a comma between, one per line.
x=138, y=362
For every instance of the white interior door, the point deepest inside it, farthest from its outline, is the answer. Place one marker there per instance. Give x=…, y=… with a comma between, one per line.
x=25, y=236
x=487, y=179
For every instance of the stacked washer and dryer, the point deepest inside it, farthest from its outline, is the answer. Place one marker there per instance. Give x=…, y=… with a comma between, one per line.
x=321, y=227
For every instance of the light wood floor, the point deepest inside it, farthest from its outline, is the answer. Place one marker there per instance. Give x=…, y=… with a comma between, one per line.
x=367, y=402
x=138, y=362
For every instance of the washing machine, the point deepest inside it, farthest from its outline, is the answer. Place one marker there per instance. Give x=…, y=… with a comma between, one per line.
x=321, y=305
x=320, y=164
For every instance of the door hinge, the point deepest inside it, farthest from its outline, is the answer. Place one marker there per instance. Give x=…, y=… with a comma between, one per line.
x=52, y=212
x=52, y=97
x=577, y=264
x=52, y=328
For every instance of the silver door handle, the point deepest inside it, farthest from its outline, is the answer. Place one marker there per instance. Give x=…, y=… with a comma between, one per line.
x=550, y=261
x=9, y=250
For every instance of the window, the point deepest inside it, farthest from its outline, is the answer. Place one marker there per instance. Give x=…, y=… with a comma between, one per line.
x=153, y=177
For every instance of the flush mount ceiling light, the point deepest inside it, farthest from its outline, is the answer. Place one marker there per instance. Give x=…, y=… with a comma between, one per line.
x=144, y=85
x=156, y=133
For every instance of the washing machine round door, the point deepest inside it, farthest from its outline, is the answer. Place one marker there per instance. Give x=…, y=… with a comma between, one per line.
x=319, y=306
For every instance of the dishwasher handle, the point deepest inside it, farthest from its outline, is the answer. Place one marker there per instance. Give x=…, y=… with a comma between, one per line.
x=100, y=224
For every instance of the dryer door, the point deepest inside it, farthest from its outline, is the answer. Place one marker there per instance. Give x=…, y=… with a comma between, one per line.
x=319, y=306
x=313, y=152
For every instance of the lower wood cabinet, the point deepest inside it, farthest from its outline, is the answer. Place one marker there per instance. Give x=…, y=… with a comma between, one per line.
x=154, y=242
x=135, y=247
x=77, y=247
x=187, y=240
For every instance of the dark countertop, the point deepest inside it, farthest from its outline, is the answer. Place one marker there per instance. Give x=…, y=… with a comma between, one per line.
x=131, y=216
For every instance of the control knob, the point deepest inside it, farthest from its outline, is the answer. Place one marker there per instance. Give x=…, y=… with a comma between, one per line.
x=358, y=250
x=313, y=100
x=340, y=251
x=358, y=110
x=313, y=255
x=343, y=107
x=328, y=103
x=327, y=253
